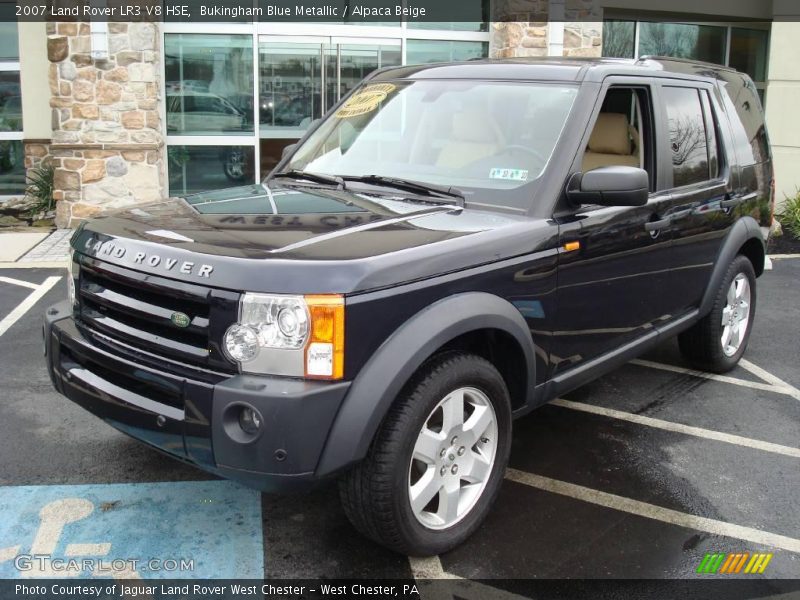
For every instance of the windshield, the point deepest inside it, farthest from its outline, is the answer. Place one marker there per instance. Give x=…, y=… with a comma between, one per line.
x=486, y=138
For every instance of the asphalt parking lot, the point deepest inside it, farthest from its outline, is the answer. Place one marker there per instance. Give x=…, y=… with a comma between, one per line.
x=637, y=475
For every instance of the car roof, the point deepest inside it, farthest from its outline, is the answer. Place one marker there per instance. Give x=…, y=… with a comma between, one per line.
x=560, y=69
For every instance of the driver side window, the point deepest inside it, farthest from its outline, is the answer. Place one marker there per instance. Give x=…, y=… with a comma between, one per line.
x=622, y=134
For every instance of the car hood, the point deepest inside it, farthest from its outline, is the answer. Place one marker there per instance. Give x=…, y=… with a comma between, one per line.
x=310, y=239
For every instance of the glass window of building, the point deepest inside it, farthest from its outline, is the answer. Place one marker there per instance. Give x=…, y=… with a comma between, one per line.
x=301, y=78
x=12, y=162
x=209, y=84
x=749, y=52
x=12, y=168
x=200, y=168
x=619, y=39
x=9, y=41
x=10, y=102
x=697, y=42
x=209, y=96
x=429, y=51
x=235, y=99
x=746, y=47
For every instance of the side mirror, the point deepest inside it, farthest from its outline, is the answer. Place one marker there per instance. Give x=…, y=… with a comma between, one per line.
x=610, y=186
x=288, y=150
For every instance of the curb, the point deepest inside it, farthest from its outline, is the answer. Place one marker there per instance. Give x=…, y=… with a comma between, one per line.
x=44, y=264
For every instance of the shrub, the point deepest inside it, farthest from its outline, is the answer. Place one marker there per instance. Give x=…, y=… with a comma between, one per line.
x=40, y=188
x=789, y=216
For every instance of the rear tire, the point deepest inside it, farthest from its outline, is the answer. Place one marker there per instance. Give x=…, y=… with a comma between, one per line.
x=451, y=467
x=718, y=341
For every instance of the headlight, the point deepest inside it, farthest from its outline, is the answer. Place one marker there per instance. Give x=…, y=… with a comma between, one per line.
x=241, y=343
x=298, y=336
x=71, y=279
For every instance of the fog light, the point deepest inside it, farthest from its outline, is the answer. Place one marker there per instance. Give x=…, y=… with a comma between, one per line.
x=241, y=343
x=249, y=420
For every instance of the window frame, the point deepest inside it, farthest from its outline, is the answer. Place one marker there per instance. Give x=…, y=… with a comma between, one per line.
x=12, y=66
x=663, y=146
x=647, y=112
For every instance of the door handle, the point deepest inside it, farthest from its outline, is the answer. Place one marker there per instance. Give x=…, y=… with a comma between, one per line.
x=656, y=225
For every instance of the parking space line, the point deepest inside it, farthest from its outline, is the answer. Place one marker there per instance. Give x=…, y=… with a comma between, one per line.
x=651, y=511
x=712, y=376
x=430, y=567
x=709, y=434
x=19, y=282
x=789, y=389
x=28, y=303
x=9, y=553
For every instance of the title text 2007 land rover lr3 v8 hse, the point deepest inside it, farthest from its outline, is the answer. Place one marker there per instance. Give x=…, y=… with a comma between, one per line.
x=452, y=246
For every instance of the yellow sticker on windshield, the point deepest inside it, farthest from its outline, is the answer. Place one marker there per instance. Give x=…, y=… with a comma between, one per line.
x=364, y=101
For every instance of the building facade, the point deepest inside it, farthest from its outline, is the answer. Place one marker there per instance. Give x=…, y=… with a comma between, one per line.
x=133, y=112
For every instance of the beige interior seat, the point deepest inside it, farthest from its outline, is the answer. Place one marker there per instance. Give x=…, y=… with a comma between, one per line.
x=473, y=136
x=611, y=143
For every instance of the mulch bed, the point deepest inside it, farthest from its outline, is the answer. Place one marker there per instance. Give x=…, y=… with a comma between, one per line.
x=785, y=244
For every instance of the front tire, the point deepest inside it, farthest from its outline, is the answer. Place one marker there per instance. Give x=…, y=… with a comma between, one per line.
x=718, y=341
x=437, y=462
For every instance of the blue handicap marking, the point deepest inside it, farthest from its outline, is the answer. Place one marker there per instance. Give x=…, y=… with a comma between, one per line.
x=210, y=529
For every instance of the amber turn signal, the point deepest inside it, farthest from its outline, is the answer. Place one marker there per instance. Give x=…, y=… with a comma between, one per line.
x=325, y=348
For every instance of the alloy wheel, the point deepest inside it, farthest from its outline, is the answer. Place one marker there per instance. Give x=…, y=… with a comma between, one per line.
x=453, y=458
x=735, y=315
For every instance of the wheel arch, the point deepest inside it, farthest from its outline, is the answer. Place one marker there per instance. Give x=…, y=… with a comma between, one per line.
x=469, y=321
x=753, y=249
x=744, y=238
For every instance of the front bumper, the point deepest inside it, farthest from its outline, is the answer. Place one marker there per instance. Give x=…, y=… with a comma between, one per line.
x=195, y=419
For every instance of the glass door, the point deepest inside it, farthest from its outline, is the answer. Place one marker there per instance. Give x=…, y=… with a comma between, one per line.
x=350, y=60
x=300, y=78
x=290, y=85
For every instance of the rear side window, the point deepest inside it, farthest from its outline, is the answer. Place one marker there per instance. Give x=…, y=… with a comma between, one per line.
x=687, y=136
x=746, y=118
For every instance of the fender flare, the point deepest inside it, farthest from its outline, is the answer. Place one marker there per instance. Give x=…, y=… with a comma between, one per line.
x=744, y=230
x=380, y=381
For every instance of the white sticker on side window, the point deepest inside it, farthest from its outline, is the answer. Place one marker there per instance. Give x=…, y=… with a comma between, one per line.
x=510, y=174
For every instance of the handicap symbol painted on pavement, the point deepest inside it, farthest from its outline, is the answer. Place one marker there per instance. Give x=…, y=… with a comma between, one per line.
x=198, y=529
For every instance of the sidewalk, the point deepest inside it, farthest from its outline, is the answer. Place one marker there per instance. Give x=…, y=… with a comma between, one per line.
x=37, y=249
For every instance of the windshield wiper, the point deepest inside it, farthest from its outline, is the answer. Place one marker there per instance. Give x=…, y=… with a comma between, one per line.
x=417, y=187
x=315, y=177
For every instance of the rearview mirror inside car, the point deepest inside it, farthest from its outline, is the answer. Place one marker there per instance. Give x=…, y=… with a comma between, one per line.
x=610, y=186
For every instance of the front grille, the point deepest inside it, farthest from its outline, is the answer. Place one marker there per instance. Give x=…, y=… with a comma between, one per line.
x=136, y=309
x=141, y=383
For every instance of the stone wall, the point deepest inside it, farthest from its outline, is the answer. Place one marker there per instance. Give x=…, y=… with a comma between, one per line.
x=107, y=146
x=522, y=38
x=521, y=28
x=583, y=39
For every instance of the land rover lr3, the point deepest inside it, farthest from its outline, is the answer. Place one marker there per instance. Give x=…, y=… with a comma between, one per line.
x=451, y=247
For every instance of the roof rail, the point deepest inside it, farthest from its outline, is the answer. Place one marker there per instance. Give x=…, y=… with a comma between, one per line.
x=687, y=61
